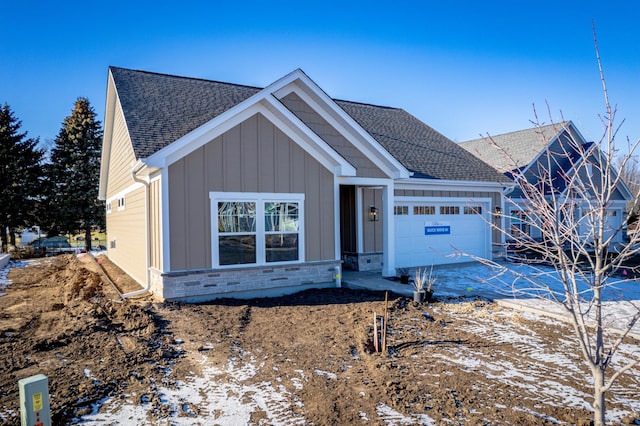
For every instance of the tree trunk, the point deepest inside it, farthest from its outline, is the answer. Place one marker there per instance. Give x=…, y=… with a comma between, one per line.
x=87, y=239
x=599, y=408
x=3, y=238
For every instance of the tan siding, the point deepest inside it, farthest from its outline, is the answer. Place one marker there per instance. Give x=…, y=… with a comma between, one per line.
x=252, y=157
x=155, y=217
x=121, y=156
x=364, y=166
x=372, y=238
x=127, y=228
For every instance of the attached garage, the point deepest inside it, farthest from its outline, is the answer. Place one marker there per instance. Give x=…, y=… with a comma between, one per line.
x=432, y=231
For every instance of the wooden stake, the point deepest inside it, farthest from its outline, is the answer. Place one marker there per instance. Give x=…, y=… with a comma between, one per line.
x=384, y=322
x=375, y=332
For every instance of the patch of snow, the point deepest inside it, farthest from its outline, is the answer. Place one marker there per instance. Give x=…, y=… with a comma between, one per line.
x=216, y=397
x=392, y=417
x=329, y=375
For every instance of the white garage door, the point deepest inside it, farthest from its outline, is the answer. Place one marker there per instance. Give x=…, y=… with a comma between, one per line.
x=431, y=233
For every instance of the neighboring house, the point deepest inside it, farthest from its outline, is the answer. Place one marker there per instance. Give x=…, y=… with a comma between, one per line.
x=216, y=189
x=556, y=149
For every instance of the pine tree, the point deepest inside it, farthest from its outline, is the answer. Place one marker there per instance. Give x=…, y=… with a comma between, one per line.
x=20, y=176
x=74, y=173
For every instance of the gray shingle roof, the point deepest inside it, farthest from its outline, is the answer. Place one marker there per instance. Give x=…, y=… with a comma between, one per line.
x=160, y=108
x=418, y=147
x=514, y=150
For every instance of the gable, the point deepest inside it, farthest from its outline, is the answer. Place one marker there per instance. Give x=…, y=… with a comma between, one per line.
x=363, y=165
x=162, y=110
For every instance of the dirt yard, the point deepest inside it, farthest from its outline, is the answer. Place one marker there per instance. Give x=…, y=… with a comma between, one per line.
x=302, y=359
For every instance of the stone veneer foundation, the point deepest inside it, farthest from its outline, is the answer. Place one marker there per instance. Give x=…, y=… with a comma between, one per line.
x=243, y=283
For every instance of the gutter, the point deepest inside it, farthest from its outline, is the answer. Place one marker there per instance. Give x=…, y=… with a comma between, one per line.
x=134, y=171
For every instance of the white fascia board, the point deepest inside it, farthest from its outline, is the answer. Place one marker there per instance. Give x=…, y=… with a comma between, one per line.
x=309, y=141
x=266, y=105
x=365, y=181
x=203, y=134
x=450, y=185
x=317, y=99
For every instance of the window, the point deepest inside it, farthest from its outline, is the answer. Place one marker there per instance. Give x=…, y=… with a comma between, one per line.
x=449, y=210
x=282, y=224
x=424, y=210
x=255, y=228
x=612, y=213
x=401, y=210
x=236, y=232
x=472, y=210
x=120, y=203
x=519, y=223
x=109, y=207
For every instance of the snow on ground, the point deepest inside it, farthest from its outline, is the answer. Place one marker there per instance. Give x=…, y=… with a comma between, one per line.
x=224, y=396
x=218, y=395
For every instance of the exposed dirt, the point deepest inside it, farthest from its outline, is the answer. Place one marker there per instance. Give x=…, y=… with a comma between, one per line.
x=59, y=318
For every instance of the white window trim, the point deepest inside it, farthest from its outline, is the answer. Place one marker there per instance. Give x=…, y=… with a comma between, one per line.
x=121, y=203
x=108, y=207
x=259, y=198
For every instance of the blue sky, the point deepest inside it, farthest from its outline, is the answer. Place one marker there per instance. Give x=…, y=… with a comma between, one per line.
x=464, y=67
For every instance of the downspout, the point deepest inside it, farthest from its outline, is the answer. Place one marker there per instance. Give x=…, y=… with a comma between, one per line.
x=134, y=171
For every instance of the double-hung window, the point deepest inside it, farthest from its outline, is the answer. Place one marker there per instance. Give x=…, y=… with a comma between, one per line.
x=256, y=228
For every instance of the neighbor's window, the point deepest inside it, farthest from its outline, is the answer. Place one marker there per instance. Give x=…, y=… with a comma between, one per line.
x=424, y=210
x=401, y=210
x=472, y=210
x=120, y=203
x=108, y=207
x=260, y=230
x=449, y=210
x=519, y=223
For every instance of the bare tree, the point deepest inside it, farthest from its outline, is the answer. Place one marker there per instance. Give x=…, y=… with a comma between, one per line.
x=565, y=199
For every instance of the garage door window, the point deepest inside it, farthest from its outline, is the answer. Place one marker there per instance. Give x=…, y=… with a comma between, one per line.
x=424, y=210
x=401, y=210
x=472, y=210
x=449, y=210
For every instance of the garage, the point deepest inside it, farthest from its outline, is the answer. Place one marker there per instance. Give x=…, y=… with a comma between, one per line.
x=432, y=232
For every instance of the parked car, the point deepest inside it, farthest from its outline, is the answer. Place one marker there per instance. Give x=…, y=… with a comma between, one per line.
x=51, y=245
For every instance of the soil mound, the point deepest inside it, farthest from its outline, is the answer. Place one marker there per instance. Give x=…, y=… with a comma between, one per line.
x=59, y=319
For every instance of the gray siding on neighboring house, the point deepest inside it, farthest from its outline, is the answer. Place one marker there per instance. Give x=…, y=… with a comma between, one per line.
x=364, y=166
x=254, y=156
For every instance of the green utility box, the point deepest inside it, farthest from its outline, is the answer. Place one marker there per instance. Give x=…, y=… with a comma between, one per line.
x=34, y=401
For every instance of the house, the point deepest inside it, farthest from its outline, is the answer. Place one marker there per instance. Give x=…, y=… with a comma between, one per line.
x=544, y=155
x=217, y=189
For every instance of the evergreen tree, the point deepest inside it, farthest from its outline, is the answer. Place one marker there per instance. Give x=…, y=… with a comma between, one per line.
x=74, y=174
x=20, y=176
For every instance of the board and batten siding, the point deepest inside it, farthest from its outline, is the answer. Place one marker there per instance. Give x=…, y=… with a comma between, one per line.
x=372, y=233
x=155, y=225
x=468, y=196
x=254, y=156
x=127, y=229
x=364, y=166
